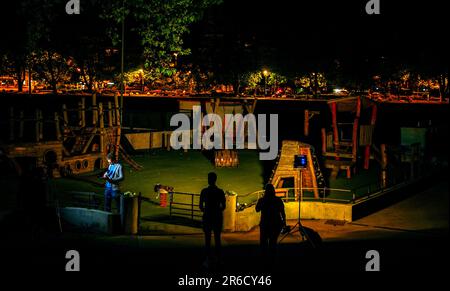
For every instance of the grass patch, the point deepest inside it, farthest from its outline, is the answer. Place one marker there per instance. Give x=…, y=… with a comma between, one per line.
x=187, y=172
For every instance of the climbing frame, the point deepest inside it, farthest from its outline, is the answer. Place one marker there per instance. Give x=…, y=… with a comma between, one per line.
x=284, y=168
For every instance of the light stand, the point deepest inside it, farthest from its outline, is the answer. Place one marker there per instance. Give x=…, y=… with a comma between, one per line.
x=298, y=227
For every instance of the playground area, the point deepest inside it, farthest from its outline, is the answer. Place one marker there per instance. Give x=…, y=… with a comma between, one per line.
x=186, y=172
x=345, y=163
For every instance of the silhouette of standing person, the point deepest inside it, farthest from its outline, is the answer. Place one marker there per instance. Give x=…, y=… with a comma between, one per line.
x=212, y=204
x=273, y=219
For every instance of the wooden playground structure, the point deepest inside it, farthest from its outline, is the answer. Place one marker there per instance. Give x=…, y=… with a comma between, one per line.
x=341, y=150
x=83, y=134
x=82, y=138
x=284, y=172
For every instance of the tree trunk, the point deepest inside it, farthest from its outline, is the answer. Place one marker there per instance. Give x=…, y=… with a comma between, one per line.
x=55, y=91
x=54, y=82
x=316, y=85
x=84, y=77
x=237, y=86
x=91, y=78
x=442, y=87
x=53, y=75
x=19, y=78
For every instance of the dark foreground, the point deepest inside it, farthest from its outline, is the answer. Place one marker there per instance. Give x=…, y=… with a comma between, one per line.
x=411, y=237
x=170, y=258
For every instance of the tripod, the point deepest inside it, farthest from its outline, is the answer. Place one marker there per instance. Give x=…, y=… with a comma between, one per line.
x=298, y=227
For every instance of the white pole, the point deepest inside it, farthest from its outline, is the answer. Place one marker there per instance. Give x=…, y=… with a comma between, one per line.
x=301, y=194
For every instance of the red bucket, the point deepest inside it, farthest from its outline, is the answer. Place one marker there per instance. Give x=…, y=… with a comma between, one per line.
x=163, y=199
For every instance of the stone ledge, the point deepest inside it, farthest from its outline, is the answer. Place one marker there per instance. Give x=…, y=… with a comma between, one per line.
x=91, y=219
x=249, y=218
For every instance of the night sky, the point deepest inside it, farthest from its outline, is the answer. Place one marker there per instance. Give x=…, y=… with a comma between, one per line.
x=287, y=35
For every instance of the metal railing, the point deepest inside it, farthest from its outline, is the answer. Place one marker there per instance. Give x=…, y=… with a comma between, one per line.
x=354, y=195
x=188, y=207
x=375, y=189
x=367, y=189
x=305, y=193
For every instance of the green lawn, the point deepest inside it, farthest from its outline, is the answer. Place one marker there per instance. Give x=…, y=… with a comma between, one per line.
x=356, y=183
x=187, y=172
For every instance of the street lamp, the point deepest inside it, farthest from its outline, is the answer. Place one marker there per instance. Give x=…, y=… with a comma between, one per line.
x=265, y=73
x=175, y=54
x=122, y=55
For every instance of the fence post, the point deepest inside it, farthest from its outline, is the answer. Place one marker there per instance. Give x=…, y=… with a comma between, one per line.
x=170, y=205
x=139, y=212
x=192, y=206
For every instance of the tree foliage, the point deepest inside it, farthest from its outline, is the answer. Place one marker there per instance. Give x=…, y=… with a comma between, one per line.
x=160, y=25
x=51, y=67
x=311, y=82
x=274, y=79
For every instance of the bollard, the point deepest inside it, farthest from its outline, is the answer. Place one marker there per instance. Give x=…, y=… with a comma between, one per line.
x=129, y=214
x=229, y=214
x=163, y=199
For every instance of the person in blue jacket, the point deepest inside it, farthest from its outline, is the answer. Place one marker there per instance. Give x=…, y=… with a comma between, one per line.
x=113, y=176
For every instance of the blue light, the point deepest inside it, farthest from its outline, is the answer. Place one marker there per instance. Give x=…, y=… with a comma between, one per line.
x=300, y=161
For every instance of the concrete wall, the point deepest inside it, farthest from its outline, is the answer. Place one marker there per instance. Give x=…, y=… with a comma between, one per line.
x=249, y=218
x=229, y=215
x=139, y=141
x=148, y=140
x=94, y=220
x=319, y=210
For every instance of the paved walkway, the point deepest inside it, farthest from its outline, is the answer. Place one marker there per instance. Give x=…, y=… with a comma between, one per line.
x=411, y=235
x=427, y=211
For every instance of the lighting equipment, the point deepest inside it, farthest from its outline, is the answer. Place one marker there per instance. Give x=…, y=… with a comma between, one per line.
x=300, y=162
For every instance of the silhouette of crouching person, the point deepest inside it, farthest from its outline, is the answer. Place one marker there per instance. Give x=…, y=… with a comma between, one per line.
x=273, y=219
x=212, y=204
